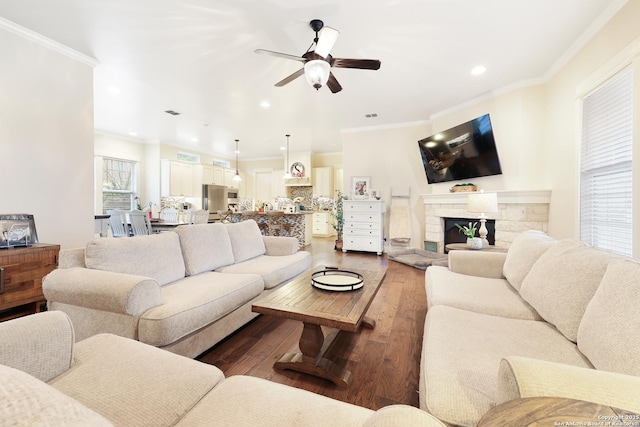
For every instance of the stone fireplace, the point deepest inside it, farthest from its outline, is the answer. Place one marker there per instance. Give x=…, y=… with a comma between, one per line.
x=518, y=211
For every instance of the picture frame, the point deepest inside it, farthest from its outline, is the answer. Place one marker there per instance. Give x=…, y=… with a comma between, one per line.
x=17, y=230
x=360, y=187
x=374, y=194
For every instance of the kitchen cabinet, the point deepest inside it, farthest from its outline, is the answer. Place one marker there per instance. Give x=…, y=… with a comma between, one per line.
x=338, y=181
x=177, y=179
x=228, y=178
x=363, y=225
x=211, y=174
x=323, y=224
x=322, y=181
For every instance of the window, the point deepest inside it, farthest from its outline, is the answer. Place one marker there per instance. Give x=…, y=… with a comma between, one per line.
x=118, y=184
x=606, y=166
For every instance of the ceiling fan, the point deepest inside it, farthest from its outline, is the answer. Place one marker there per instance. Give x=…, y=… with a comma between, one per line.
x=318, y=62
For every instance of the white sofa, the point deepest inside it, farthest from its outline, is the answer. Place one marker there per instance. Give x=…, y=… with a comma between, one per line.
x=182, y=291
x=548, y=318
x=46, y=379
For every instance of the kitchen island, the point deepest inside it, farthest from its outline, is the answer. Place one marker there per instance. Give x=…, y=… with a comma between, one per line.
x=300, y=224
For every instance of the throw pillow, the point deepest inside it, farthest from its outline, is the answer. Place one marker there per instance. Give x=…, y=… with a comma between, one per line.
x=157, y=256
x=609, y=331
x=563, y=281
x=523, y=253
x=205, y=247
x=246, y=240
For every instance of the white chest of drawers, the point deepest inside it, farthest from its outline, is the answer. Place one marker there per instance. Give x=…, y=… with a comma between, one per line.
x=363, y=225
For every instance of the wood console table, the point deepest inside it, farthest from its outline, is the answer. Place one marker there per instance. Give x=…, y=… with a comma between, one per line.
x=21, y=273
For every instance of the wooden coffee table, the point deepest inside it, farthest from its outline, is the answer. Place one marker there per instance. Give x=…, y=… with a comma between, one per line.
x=340, y=311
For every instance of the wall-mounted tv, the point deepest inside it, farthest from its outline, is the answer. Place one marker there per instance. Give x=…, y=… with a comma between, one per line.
x=462, y=152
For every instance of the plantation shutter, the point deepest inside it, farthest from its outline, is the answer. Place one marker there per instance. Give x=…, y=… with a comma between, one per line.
x=606, y=166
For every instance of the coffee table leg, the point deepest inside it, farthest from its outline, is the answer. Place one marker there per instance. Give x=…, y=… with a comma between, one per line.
x=311, y=360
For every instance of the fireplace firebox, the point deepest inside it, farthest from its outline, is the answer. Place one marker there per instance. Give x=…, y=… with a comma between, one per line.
x=453, y=235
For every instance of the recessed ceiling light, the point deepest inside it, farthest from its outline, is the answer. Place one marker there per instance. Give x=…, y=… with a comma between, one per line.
x=265, y=104
x=283, y=148
x=133, y=133
x=478, y=69
x=194, y=139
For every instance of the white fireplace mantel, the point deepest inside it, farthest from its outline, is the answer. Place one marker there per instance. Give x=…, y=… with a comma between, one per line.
x=505, y=196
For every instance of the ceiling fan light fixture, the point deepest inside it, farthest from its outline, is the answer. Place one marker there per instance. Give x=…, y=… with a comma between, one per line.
x=317, y=72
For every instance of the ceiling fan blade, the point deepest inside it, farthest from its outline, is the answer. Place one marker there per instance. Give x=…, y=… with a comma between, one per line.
x=328, y=37
x=280, y=55
x=290, y=78
x=364, y=64
x=333, y=84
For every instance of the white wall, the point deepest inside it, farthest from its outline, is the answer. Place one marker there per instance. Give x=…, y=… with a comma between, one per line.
x=589, y=66
x=46, y=140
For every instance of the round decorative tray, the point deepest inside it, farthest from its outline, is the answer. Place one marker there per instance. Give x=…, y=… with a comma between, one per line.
x=337, y=280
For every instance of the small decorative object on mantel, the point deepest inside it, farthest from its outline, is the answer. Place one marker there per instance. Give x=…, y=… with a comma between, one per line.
x=473, y=242
x=17, y=230
x=463, y=188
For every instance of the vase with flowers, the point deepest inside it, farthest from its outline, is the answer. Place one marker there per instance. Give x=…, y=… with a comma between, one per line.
x=473, y=242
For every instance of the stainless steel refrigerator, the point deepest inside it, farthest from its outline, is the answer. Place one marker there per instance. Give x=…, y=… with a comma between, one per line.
x=214, y=199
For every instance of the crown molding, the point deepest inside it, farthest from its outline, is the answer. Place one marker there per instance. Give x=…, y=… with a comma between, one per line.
x=27, y=34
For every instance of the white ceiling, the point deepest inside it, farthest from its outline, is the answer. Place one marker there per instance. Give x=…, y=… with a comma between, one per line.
x=197, y=57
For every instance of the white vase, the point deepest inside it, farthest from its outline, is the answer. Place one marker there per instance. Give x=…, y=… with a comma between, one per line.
x=474, y=242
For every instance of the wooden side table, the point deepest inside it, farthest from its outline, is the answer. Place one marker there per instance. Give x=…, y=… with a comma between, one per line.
x=555, y=411
x=21, y=273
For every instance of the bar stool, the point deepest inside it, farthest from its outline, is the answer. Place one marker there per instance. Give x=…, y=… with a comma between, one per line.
x=262, y=225
x=276, y=220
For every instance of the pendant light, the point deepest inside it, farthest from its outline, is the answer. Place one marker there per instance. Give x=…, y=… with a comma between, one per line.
x=287, y=173
x=237, y=176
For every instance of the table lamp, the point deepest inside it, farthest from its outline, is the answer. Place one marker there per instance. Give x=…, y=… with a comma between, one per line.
x=482, y=202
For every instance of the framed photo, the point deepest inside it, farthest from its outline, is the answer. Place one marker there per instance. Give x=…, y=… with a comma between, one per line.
x=374, y=194
x=360, y=187
x=17, y=230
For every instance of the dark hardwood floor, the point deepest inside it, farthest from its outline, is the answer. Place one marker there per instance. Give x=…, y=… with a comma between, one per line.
x=385, y=361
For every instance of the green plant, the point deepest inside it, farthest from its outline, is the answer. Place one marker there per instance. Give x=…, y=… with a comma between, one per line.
x=469, y=231
x=338, y=214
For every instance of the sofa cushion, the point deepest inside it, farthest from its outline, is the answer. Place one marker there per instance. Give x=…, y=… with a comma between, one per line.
x=273, y=269
x=562, y=282
x=205, y=247
x=461, y=354
x=157, y=256
x=608, y=333
x=246, y=240
x=194, y=302
x=27, y=401
x=524, y=251
x=133, y=384
x=478, y=294
x=245, y=401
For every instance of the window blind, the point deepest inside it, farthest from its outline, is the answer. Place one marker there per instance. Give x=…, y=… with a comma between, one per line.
x=606, y=166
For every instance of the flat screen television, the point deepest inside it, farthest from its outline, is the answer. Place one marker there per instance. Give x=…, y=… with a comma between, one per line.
x=463, y=152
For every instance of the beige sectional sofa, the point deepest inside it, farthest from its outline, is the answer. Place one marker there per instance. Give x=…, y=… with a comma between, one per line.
x=548, y=318
x=47, y=379
x=182, y=291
